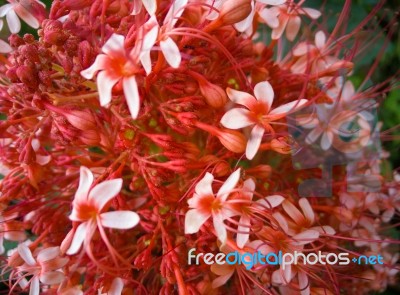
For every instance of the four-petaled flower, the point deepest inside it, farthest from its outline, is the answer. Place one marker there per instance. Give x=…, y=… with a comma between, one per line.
x=88, y=206
x=258, y=113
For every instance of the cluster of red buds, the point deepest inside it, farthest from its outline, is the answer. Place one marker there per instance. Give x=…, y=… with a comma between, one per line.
x=134, y=131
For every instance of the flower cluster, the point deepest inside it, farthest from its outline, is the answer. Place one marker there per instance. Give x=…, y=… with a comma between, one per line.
x=134, y=131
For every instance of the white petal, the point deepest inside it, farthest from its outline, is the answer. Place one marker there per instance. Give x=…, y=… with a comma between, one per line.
x=305, y=237
x=320, y=39
x=271, y=201
x=313, y=135
x=264, y=92
x=105, y=85
x=229, y=185
x=52, y=277
x=194, y=219
x=247, y=22
x=243, y=231
x=241, y=97
x=119, y=219
x=175, y=12
x=303, y=283
x=114, y=44
x=99, y=64
x=221, y=280
x=150, y=6
x=288, y=107
x=236, y=118
x=4, y=9
x=145, y=60
x=254, y=141
x=219, y=227
x=171, y=52
x=13, y=22
x=26, y=254
x=293, y=27
x=104, y=192
x=203, y=187
x=270, y=17
x=326, y=141
x=77, y=240
x=27, y=17
x=132, y=95
x=85, y=182
x=272, y=2
x=34, y=286
x=4, y=47
x=307, y=210
x=117, y=286
x=312, y=13
x=48, y=254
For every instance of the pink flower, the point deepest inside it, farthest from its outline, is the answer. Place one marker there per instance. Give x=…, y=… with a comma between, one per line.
x=205, y=204
x=22, y=9
x=115, y=65
x=161, y=34
x=286, y=17
x=88, y=207
x=45, y=268
x=257, y=113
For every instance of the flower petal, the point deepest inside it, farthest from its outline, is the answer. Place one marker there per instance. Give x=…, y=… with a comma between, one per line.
x=228, y=185
x=203, y=187
x=293, y=212
x=305, y=237
x=77, y=240
x=104, y=192
x=293, y=27
x=13, y=21
x=117, y=286
x=5, y=9
x=52, y=277
x=150, y=6
x=278, y=31
x=288, y=107
x=271, y=201
x=34, y=288
x=105, y=84
x=115, y=44
x=303, y=284
x=221, y=280
x=85, y=182
x=243, y=25
x=26, y=254
x=219, y=226
x=48, y=254
x=4, y=47
x=272, y=2
x=243, y=231
x=99, y=64
x=171, y=52
x=264, y=92
x=174, y=12
x=119, y=219
x=320, y=39
x=307, y=210
x=270, y=17
x=241, y=97
x=26, y=16
x=236, y=118
x=326, y=140
x=194, y=219
x=312, y=13
x=254, y=141
x=132, y=95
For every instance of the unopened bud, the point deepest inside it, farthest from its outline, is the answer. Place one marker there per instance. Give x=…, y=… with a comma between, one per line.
x=233, y=12
x=82, y=120
x=232, y=140
x=215, y=96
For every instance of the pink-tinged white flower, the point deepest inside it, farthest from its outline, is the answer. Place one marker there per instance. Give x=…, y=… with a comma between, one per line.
x=10, y=229
x=155, y=33
x=22, y=9
x=286, y=17
x=149, y=5
x=205, y=204
x=46, y=268
x=317, y=58
x=4, y=47
x=269, y=202
x=257, y=113
x=88, y=209
x=114, y=65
